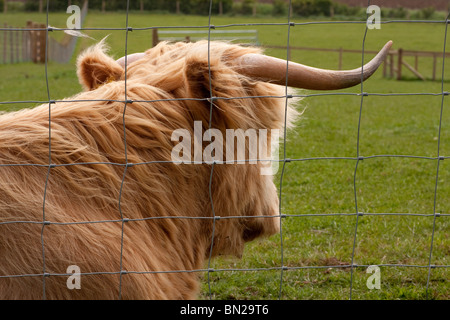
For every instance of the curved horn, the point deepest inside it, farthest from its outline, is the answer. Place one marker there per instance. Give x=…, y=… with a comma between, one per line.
x=130, y=59
x=273, y=70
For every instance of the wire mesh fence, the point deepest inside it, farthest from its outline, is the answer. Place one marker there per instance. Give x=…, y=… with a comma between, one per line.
x=358, y=215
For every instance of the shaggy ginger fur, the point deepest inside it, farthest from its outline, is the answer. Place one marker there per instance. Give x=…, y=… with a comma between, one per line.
x=91, y=133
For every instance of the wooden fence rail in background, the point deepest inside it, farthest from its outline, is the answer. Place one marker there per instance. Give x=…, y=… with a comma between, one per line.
x=187, y=35
x=400, y=55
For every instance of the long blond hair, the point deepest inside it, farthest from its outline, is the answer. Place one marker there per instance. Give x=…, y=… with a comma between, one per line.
x=111, y=160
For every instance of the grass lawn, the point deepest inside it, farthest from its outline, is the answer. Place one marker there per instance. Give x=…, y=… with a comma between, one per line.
x=315, y=244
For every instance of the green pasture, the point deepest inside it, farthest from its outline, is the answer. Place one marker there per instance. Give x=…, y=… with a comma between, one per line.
x=313, y=188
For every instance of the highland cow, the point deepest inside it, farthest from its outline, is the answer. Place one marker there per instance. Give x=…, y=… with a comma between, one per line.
x=89, y=181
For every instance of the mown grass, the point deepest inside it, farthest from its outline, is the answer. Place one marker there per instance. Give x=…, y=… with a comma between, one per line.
x=388, y=125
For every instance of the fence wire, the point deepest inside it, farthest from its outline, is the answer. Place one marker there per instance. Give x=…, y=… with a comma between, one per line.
x=284, y=161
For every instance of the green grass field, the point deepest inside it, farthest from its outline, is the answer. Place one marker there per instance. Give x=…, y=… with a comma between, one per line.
x=389, y=125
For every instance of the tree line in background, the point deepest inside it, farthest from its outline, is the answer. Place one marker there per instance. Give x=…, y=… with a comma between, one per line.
x=300, y=8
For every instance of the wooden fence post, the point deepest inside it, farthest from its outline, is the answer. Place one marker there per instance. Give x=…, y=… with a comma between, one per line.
x=399, y=64
x=155, y=39
x=41, y=43
x=340, y=58
x=391, y=65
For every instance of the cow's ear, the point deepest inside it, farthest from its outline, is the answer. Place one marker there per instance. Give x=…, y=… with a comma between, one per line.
x=95, y=67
